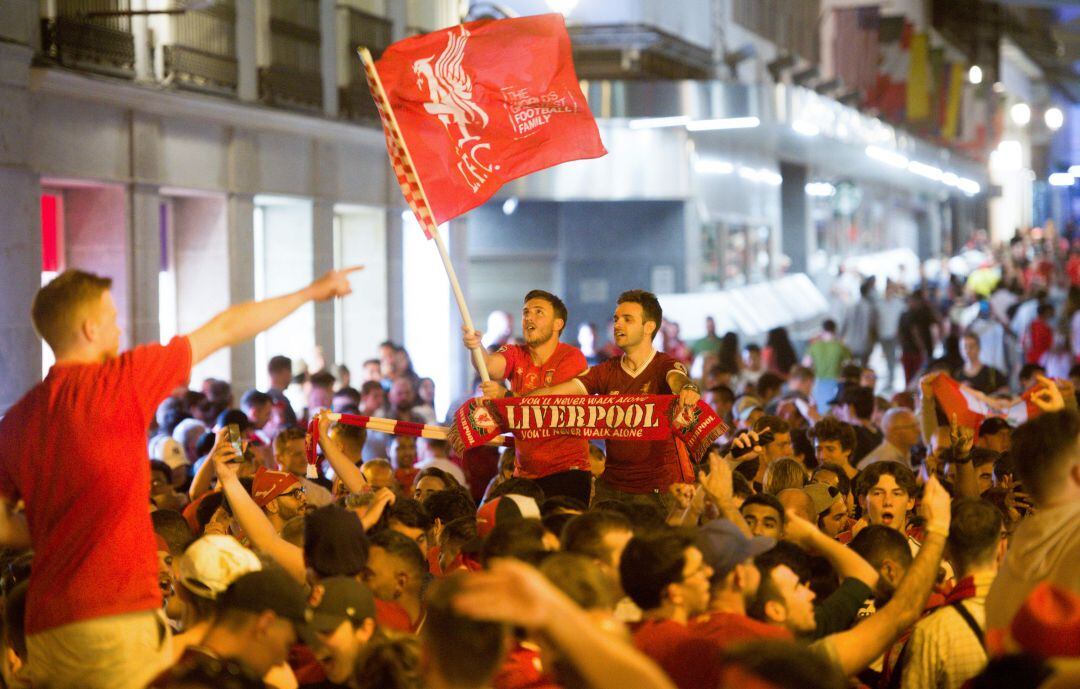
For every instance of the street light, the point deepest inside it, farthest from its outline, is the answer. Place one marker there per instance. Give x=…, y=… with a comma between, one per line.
x=975, y=74
x=1021, y=114
x=1054, y=118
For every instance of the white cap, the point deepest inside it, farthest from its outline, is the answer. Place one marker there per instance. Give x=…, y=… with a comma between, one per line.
x=169, y=451
x=213, y=562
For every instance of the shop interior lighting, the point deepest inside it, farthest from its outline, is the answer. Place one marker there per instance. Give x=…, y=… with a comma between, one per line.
x=713, y=167
x=1009, y=155
x=975, y=74
x=820, y=189
x=1054, y=118
x=1020, y=114
x=658, y=122
x=928, y=171
x=950, y=179
x=968, y=186
x=886, y=156
x=761, y=175
x=510, y=205
x=1074, y=170
x=723, y=123
x=1061, y=179
x=804, y=128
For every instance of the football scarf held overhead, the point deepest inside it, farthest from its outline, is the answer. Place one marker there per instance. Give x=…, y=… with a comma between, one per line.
x=607, y=417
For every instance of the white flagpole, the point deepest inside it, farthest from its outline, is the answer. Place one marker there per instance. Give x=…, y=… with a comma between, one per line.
x=433, y=230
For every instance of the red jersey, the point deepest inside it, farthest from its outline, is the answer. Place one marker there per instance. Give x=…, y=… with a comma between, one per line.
x=690, y=661
x=727, y=628
x=74, y=450
x=637, y=466
x=543, y=457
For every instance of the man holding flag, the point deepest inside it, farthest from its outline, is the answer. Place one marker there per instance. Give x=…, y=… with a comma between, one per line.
x=634, y=467
x=559, y=465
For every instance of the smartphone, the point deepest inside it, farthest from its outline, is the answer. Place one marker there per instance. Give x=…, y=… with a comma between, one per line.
x=764, y=438
x=234, y=439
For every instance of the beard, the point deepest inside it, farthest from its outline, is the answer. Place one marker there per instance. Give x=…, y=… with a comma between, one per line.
x=539, y=336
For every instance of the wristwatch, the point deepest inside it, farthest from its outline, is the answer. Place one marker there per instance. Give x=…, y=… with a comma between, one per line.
x=690, y=386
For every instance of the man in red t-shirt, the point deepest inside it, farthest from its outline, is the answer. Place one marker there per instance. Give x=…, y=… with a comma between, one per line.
x=635, y=466
x=559, y=465
x=91, y=619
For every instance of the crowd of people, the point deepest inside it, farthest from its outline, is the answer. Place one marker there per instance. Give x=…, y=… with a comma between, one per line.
x=846, y=530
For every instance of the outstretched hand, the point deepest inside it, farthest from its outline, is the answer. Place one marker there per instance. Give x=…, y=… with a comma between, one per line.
x=509, y=591
x=717, y=483
x=334, y=283
x=224, y=456
x=1047, y=396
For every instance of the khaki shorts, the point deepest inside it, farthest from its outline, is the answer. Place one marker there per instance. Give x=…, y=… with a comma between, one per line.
x=116, y=652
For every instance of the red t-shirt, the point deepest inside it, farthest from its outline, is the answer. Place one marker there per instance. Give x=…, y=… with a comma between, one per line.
x=638, y=466
x=539, y=458
x=687, y=658
x=74, y=450
x=727, y=628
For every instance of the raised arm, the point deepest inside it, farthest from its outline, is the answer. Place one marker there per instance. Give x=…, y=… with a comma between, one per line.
x=243, y=321
x=250, y=516
x=515, y=593
x=569, y=387
x=847, y=563
x=496, y=363
x=688, y=392
x=857, y=647
x=345, y=468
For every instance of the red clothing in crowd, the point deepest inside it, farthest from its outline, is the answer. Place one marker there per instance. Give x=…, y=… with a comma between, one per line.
x=522, y=670
x=690, y=660
x=75, y=451
x=727, y=628
x=539, y=458
x=405, y=478
x=1038, y=340
x=636, y=466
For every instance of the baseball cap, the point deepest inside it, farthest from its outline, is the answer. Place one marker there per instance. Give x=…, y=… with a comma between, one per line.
x=1048, y=623
x=724, y=546
x=213, y=562
x=274, y=590
x=271, y=484
x=822, y=495
x=502, y=509
x=167, y=450
x=745, y=406
x=336, y=599
x=334, y=542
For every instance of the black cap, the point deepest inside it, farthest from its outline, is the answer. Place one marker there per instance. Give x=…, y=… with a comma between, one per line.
x=334, y=542
x=337, y=599
x=274, y=590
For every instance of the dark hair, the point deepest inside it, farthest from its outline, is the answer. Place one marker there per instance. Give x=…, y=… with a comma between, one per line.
x=322, y=379
x=465, y=651
x=781, y=474
x=1028, y=371
x=642, y=511
x=785, y=554
x=403, y=548
x=462, y=530
x=205, y=443
x=447, y=478
x=650, y=563
x=279, y=363
x=580, y=578
x=724, y=393
x=585, y=533
x=563, y=503
x=772, y=423
x=233, y=416
x=1018, y=671
x=1004, y=466
x=877, y=542
x=57, y=304
x=390, y=660
x=557, y=304
x=841, y=476
x=162, y=468
x=1046, y=445
x=350, y=393
x=650, y=305
x=752, y=347
x=740, y=486
x=783, y=665
x=254, y=398
x=769, y=381
x=409, y=513
x=1045, y=309
x=869, y=477
x=981, y=455
x=831, y=428
x=974, y=532
x=801, y=446
x=520, y=539
x=173, y=528
x=518, y=486
x=370, y=386
x=994, y=425
x=15, y=620
x=783, y=352
x=861, y=400
x=287, y=435
x=448, y=505
x=829, y=325
x=768, y=501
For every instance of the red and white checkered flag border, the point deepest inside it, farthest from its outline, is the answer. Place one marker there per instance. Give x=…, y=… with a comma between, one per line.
x=404, y=170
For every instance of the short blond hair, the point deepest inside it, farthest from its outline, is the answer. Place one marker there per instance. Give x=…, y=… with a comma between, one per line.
x=58, y=305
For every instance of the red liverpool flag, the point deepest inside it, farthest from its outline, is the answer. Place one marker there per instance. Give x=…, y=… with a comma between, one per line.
x=469, y=108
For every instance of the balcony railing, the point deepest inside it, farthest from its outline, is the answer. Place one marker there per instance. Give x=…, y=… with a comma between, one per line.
x=293, y=78
x=367, y=31
x=636, y=51
x=202, y=55
x=91, y=35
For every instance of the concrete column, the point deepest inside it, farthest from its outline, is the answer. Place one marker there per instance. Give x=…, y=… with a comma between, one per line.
x=144, y=238
x=20, y=190
x=397, y=13
x=395, y=273
x=246, y=62
x=322, y=254
x=328, y=50
x=241, y=250
x=794, y=217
